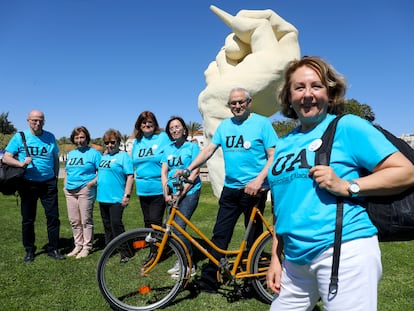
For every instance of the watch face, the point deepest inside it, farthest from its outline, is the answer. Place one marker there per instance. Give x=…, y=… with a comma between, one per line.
x=354, y=188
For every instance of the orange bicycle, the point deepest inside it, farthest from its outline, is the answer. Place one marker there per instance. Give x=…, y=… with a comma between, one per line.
x=143, y=283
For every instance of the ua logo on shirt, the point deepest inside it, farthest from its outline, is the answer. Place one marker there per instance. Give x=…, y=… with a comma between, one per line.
x=76, y=161
x=287, y=163
x=34, y=151
x=173, y=161
x=105, y=163
x=233, y=142
x=145, y=152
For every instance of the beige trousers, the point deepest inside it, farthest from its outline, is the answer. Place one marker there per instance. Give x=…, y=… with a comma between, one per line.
x=80, y=204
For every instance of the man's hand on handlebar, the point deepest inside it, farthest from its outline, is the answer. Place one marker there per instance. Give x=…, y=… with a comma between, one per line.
x=183, y=175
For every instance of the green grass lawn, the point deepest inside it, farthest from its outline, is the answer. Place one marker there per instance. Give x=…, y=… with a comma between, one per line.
x=71, y=284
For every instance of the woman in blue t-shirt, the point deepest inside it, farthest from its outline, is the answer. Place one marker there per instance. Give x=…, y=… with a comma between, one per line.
x=147, y=151
x=177, y=156
x=115, y=181
x=305, y=195
x=80, y=190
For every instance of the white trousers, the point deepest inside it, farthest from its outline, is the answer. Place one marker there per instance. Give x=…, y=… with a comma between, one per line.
x=360, y=271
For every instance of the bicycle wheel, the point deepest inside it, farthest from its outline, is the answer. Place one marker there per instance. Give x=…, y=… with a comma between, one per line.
x=129, y=285
x=260, y=264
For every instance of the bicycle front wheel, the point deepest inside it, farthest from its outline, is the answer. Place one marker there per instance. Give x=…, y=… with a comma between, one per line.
x=129, y=284
x=260, y=264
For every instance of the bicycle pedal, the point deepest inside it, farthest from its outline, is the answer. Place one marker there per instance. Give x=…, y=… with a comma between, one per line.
x=233, y=297
x=247, y=292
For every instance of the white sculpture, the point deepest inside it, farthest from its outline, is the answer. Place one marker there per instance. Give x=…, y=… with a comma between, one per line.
x=253, y=56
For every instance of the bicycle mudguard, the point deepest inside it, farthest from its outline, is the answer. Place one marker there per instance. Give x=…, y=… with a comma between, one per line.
x=254, y=246
x=174, y=236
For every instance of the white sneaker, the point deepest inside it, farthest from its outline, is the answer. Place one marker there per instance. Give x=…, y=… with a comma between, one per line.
x=193, y=271
x=83, y=253
x=174, y=269
x=74, y=252
x=176, y=275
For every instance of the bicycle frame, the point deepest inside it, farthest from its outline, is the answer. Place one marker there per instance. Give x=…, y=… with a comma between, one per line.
x=170, y=223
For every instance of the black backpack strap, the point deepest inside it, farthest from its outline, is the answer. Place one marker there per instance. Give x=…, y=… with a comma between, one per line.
x=24, y=144
x=333, y=285
x=323, y=154
x=323, y=157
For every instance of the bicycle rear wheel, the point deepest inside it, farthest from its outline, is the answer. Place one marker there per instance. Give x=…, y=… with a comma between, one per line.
x=260, y=264
x=125, y=285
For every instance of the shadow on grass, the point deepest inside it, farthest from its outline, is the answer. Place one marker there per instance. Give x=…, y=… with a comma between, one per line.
x=99, y=242
x=66, y=245
x=232, y=293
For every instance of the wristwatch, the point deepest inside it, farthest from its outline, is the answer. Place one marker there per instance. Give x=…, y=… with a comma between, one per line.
x=353, y=188
x=127, y=196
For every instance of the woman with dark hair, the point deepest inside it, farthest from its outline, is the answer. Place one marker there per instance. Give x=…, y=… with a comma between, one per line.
x=177, y=156
x=147, y=151
x=80, y=190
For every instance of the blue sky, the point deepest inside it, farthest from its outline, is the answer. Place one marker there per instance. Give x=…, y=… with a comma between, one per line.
x=99, y=63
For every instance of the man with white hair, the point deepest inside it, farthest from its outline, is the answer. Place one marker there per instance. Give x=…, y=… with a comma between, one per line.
x=247, y=141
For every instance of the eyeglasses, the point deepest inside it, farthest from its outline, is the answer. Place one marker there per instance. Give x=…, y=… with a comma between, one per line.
x=176, y=127
x=37, y=120
x=149, y=122
x=242, y=103
x=112, y=142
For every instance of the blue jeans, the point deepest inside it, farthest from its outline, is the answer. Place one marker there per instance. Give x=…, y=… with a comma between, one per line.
x=187, y=207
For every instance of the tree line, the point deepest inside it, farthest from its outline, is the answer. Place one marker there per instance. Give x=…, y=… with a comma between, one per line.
x=352, y=106
x=282, y=127
x=7, y=130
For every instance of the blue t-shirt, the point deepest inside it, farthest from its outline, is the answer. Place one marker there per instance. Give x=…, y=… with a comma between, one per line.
x=180, y=158
x=244, y=147
x=81, y=167
x=305, y=214
x=112, y=174
x=146, y=156
x=43, y=150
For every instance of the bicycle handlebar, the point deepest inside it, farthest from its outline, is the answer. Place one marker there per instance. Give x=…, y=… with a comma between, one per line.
x=183, y=173
x=181, y=180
